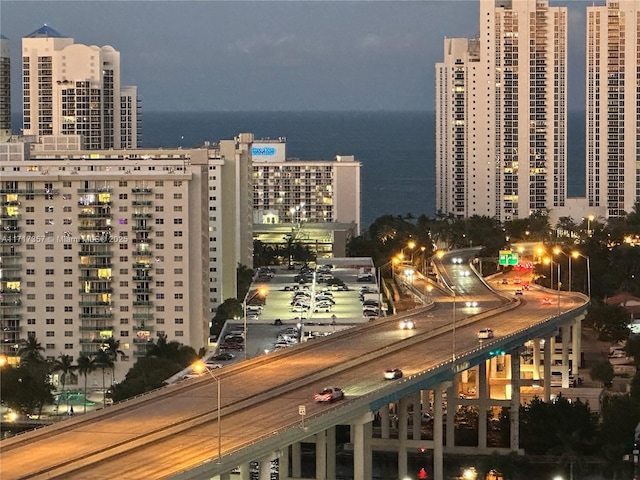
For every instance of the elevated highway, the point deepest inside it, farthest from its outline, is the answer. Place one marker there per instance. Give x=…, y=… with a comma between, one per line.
x=172, y=432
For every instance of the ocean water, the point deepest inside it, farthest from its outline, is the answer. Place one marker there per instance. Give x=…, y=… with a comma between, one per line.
x=396, y=149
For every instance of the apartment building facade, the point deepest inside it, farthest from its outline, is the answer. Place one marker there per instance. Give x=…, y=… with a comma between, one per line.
x=75, y=89
x=112, y=243
x=5, y=88
x=613, y=106
x=501, y=113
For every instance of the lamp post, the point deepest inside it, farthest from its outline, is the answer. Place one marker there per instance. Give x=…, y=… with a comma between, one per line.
x=557, y=251
x=261, y=292
x=453, y=289
x=550, y=262
x=576, y=254
x=200, y=367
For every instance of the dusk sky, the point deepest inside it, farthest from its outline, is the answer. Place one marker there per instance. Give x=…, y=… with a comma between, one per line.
x=266, y=55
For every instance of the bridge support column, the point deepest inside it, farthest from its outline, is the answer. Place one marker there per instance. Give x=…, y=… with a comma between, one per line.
x=331, y=452
x=245, y=471
x=481, y=388
x=566, y=339
x=403, y=424
x=547, y=369
x=576, y=345
x=536, y=359
x=296, y=460
x=417, y=416
x=283, y=464
x=321, y=455
x=384, y=421
x=223, y=476
x=264, y=467
x=451, y=414
x=515, y=400
x=438, y=469
x=361, y=439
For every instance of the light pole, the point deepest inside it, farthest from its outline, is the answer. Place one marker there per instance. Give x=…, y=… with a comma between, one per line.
x=200, y=367
x=557, y=251
x=453, y=289
x=577, y=254
x=261, y=292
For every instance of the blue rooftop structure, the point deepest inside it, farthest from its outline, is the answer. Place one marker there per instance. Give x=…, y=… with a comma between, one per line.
x=45, y=31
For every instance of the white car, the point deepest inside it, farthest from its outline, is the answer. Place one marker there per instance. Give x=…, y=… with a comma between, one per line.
x=329, y=394
x=407, y=324
x=392, y=373
x=471, y=304
x=485, y=334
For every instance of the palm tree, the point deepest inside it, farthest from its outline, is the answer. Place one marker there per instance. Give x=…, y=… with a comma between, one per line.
x=64, y=364
x=112, y=348
x=30, y=351
x=86, y=365
x=103, y=361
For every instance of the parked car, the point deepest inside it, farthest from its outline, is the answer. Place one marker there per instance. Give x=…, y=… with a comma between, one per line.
x=329, y=394
x=369, y=312
x=223, y=357
x=392, y=373
x=212, y=366
x=232, y=346
x=485, y=334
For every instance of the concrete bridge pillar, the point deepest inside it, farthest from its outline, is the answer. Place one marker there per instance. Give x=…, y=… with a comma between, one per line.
x=515, y=400
x=451, y=413
x=547, y=368
x=481, y=389
x=417, y=415
x=296, y=460
x=361, y=440
x=384, y=421
x=283, y=464
x=536, y=359
x=403, y=424
x=438, y=469
x=223, y=476
x=264, y=467
x=331, y=451
x=577, y=345
x=321, y=455
x=566, y=340
x=245, y=471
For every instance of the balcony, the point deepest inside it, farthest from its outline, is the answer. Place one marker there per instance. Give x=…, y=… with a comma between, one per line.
x=6, y=216
x=94, y=266
x=141, y=191
x=95, y=291
x=10, y=291
x=140, y=216
x=141, y=266
x=15, y=266
x=10, y=278
x=93, y=303
x=148, y=241
x=91, y=341
x=91, y=328
x=94, y=228
x=10, y=203
x=141, y=203
x=141, y=228
x=142, y=341
x=10, y=316
x=96, y=316
x=143, y=316
x=95, y=254
x=142, y=328
x=142, y=303
x=97, y=203
x=82, y=191
x=13, y=254
x=95, y=215
x=142, y=291
x=142, y=278
x=141, y=253
x=93, y=278
x=15, y=303
x=35, y=191
x=11, y=329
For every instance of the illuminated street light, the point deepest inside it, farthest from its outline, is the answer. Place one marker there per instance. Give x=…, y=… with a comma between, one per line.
x=453, y=289
x=200, y=367
x=558, y=251
x=590, y=219
x=577, y=254
x=261, y=292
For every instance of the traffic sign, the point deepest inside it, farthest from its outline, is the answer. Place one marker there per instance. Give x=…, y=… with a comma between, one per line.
x=507, y=257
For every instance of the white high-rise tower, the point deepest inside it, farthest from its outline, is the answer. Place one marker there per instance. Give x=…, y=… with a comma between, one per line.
x=501, y=113
x=74, y=89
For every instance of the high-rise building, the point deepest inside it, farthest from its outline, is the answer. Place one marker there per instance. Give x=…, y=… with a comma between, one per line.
x=5, y=89
x=74, y=89
x=501, y=113
x=126, y=244
x=613, y=106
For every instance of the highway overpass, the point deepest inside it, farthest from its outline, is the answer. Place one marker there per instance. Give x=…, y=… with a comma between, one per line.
x=174, y=432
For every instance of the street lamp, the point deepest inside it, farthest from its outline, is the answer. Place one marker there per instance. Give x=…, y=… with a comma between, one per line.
x=577, y=254
x=557, y=251
x=200, y=367
x=551, y=262
x=261, y=292
x=453, y=289
x=590, y=219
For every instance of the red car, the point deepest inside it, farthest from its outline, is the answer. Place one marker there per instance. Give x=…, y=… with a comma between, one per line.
x=329, y=394
x=546, y=301
x=525, y=286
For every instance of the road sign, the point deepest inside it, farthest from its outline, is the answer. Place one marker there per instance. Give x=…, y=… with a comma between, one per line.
x=302, y=410
x=507, y=257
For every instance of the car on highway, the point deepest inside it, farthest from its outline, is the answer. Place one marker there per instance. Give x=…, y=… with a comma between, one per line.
x=471, y=304
x=392, y=373
x=212, y=366
x=329, y=394
x=407, y=324
x=485, y=333
x=525, y=286
x=546, y=301
x=518, y=291
x=505, y=281
x=223, y=357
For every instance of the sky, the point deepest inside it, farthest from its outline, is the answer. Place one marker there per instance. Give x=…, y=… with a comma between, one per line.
x=272, y=55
